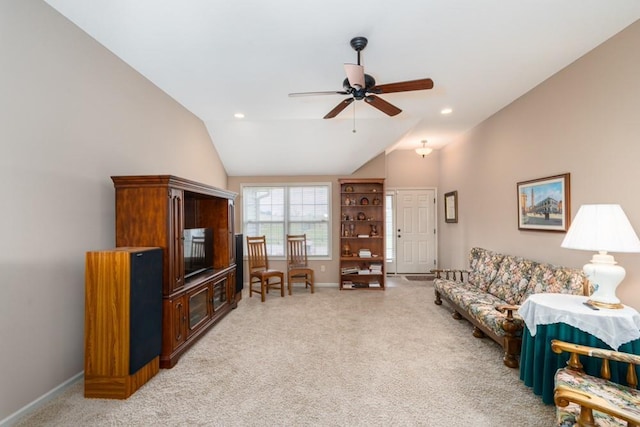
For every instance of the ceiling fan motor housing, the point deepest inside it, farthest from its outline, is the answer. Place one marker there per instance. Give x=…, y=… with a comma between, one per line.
x=369, y=82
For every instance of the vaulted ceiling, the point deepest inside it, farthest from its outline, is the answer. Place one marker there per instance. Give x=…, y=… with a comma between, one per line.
x=219, y=58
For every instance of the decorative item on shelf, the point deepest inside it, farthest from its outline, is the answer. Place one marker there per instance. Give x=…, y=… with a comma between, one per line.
x=364, y=201
x=377, y=201
x=347, y=201
x=602, y=228
x=374, y=230
x=361, y=216
x=364, y=253
x=352, y=230
x=423, y=151
x=346, y=249
x=345, y=217
x=348, y=189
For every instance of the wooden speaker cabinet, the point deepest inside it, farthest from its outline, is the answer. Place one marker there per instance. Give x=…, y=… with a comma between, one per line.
x=123, y=320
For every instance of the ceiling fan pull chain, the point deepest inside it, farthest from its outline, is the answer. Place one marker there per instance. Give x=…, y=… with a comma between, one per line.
x=354, y=118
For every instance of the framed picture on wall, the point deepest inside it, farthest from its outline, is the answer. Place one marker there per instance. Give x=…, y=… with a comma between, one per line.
x=451, y=207
x=544, y=204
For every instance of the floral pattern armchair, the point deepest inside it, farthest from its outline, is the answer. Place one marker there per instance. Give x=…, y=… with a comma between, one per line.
x=585, y=400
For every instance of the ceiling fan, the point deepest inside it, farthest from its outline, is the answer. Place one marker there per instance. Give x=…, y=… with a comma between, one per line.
x=362, y=86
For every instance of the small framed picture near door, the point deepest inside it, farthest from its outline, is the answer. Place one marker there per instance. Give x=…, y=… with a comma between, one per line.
x=544, y=204
x=451, y=206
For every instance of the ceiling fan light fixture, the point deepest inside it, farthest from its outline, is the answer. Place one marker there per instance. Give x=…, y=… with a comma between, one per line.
x=424, y=151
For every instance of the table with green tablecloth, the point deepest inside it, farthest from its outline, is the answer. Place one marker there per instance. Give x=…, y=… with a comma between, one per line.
x=567, y=318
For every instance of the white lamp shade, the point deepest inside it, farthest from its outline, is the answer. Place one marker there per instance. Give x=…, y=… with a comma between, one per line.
x=601, y=228
x=423, y=151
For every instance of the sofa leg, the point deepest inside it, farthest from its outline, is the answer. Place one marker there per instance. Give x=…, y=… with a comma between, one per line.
x=456, y=315
x=510, y=360
x=512, y=342
x=477, y=332
x=511, y=350
x=438, y=300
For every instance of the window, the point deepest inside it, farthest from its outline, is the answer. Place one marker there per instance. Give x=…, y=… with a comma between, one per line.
x=390, y=250
x=277, y=210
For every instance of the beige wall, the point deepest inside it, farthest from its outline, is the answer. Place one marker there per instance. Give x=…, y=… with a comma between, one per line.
x=71, y=115
x=406, y=169
x=585, y=121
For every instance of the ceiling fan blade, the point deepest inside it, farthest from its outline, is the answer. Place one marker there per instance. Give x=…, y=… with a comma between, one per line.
x=355, y=74
x=327, y=92
x=382, y=105
x=407, y=86
x=338, y=108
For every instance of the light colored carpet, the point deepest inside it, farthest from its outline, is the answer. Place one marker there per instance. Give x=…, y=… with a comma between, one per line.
x=335, y=358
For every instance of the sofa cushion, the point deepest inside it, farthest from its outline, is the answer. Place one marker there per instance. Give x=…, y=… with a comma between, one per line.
x=552, y=279
x=464, y=294
x=512, y=279
x=484, y=267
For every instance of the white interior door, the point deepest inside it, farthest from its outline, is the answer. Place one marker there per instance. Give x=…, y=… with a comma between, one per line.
x=415, y=231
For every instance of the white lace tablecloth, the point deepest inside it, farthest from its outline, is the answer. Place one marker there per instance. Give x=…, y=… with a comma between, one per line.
x=613, y=326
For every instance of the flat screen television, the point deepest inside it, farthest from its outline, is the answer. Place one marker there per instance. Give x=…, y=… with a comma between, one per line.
x=198, y=250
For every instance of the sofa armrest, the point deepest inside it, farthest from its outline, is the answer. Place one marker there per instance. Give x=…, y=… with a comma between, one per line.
x=451, y=274
x=509, y=308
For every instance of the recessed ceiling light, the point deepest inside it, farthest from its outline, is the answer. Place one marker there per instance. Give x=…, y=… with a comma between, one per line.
x=238, y=116
x=446, y=111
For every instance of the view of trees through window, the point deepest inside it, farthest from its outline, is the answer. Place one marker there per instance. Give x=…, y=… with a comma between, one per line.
x=277, y=210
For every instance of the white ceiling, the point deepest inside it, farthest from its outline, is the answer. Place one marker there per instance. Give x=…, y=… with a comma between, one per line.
x=218, y=58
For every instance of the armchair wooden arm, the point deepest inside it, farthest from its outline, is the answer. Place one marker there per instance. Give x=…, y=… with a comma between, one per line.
x=590, y=401
x=606, y=355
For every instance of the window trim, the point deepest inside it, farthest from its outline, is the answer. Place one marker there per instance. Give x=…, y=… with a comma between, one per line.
x=286, y=186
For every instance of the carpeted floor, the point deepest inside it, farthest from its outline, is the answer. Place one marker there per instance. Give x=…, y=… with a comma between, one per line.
x=335, y=358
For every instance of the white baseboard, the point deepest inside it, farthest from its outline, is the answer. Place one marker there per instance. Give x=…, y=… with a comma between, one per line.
x=16, y=416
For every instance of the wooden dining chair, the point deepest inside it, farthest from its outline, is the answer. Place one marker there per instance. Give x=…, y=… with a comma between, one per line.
x=259, y=271
x=298, y=269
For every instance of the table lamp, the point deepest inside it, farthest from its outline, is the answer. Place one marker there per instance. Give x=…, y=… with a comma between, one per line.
x=602, y=228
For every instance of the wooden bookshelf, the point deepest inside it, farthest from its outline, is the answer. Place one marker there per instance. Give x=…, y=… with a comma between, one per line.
x=362, y=238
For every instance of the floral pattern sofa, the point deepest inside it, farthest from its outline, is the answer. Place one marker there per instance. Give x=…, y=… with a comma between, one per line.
x=489, y=293
x=585, y=400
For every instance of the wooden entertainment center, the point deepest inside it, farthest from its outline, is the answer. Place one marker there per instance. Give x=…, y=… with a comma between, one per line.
x=154, y=211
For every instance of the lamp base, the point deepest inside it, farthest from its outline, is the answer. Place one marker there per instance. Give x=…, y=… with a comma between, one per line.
x=605, y=275
x=604, y=304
